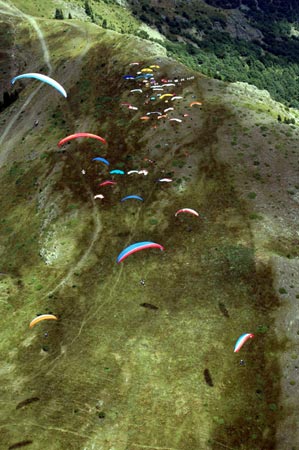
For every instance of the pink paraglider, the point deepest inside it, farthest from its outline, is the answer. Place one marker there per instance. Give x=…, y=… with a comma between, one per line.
x=187, y=210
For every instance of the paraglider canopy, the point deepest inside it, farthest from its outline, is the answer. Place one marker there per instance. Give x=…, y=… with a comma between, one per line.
x=187, y=210
x=108, y=183
x=165, y=180
x=174, y=119
x=117, y=171
x=128, y=197
x=81, y=135
x=136, y=248
x=44, y=79
x=166, y=95
x=241, y=341
x=103, y=160
x=41, y=318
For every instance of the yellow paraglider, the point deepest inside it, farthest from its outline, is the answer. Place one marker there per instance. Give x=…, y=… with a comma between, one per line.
x=166, y=95
x=42, y=317
x=146, y=69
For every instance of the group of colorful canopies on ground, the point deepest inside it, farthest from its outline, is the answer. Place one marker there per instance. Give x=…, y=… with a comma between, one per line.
x=145, y=77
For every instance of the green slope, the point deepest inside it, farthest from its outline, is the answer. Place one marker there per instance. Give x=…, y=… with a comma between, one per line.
x=117, y=17
x=111, y=373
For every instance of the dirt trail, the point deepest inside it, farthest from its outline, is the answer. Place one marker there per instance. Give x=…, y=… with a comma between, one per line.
x=95, y=213
x=79, y=264
x=42, y=41
x=5, y=151
x=13, y=11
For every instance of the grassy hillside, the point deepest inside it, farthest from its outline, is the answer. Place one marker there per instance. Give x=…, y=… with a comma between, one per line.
x=114, y=16
x=142, y=353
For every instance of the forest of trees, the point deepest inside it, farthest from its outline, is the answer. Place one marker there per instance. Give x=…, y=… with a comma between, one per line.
x=271, y=63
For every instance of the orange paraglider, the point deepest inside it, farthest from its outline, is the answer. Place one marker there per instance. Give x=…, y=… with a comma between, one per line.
x=41, y=318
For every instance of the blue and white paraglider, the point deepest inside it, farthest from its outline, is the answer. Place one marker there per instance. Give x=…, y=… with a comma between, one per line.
x=44, y=79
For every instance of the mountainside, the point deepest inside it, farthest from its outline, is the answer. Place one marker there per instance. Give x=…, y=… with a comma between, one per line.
x=278, y=9
x=250, y=41
x=255, y=42
x=141, y=355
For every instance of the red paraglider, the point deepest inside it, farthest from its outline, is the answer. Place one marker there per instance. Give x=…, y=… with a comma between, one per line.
x=108, y=183
x=80, y=135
